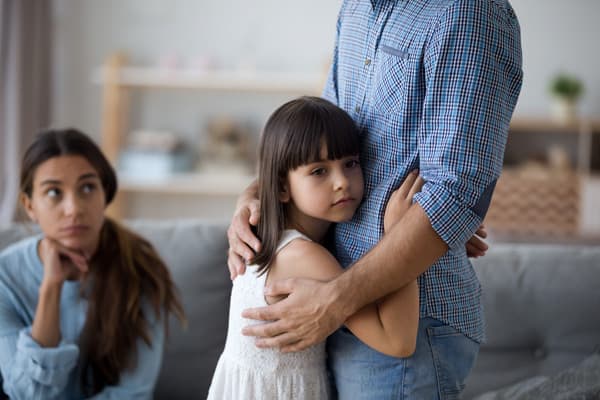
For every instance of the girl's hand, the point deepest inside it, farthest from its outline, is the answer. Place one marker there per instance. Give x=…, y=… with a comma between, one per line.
x=476, y=247
x=61, y=263
x=401, y=200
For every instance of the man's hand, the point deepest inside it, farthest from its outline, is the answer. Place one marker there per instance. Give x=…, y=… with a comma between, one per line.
x=242, y=242
x=476, y=247
x=310, y=313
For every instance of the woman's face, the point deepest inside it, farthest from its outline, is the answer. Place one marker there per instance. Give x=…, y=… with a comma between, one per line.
x=68, y=202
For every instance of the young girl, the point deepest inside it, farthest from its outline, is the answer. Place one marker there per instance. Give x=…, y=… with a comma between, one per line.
x=309, y=178
x=83, y=306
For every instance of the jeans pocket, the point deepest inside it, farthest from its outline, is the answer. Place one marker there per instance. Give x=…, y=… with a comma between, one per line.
x=454, y=355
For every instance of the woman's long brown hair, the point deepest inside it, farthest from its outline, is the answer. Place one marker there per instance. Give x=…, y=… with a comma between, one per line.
x=128, y=287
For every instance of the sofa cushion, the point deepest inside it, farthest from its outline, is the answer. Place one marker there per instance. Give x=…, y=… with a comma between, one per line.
x=581, y=381
x=196, y=253
x=540, y=304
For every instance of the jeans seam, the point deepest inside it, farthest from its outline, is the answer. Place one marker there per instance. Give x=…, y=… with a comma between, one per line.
x=403, y=387
x=435, y=362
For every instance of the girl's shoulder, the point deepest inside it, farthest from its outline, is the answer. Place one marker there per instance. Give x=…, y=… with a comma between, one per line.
x=303, y=258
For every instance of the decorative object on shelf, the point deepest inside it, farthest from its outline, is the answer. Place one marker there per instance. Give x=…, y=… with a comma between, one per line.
x=154, y=154
x=566, y=90
x=228, y=142
x=558, y=159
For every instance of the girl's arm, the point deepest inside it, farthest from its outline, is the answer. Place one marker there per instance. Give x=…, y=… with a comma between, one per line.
x=388, y=326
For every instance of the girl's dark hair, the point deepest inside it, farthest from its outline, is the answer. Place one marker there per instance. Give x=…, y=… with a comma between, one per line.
x=293, y=136
x=126, y=275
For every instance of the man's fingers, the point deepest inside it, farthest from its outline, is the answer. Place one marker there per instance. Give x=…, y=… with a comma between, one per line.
x=236, y=265
x=241, y=248
x=416, y=187
x=280, y=341
x=239, y=231
x=268, y=313
x=268, y=330
x=404, y=189
x=254, y=208
x=294, y=347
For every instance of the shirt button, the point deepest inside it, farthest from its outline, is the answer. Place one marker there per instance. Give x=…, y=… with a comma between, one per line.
x=357, y=109
x=368, y=62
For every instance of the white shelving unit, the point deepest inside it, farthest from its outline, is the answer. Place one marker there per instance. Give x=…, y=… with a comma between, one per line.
x=119, y=80
x=233, y=80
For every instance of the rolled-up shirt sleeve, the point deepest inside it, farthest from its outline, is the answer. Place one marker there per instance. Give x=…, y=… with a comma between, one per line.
x=473, y=77
x=30, y=371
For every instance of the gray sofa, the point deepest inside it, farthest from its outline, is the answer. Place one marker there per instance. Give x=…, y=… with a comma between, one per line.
x=541, y=307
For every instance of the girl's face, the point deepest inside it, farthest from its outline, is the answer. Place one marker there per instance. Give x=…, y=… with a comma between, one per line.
x=323, y=192
x=67, y=201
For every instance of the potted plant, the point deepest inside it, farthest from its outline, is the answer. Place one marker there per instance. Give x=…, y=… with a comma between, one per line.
x=566, y=90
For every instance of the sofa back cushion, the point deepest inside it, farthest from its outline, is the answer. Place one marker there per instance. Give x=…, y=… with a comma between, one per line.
x=196, y=253
x=541, y=304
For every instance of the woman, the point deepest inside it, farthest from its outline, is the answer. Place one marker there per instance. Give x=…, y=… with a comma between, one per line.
x=84, y=306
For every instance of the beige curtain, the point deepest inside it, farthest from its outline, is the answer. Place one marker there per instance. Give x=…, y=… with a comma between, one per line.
x=24, y=88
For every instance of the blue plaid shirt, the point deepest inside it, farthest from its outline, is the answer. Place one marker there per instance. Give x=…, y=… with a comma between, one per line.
x=432, y=85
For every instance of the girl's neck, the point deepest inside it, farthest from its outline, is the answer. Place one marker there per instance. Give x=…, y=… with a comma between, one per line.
x=315, y=229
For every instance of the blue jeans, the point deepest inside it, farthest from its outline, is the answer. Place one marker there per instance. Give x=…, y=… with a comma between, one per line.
x=437, y=370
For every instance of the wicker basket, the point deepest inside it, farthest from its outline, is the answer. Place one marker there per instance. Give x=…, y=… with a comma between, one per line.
x=541, y=204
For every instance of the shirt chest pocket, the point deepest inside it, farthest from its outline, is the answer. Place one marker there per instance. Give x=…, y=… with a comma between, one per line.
x=394, y=75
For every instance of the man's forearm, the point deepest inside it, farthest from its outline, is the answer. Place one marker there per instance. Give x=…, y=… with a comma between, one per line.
x=403, y=254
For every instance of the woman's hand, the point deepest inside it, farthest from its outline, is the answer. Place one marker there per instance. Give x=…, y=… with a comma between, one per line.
x=242, y=242
x=61, y=263
x=401, y=200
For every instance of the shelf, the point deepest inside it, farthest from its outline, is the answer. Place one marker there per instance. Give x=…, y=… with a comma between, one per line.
x=252, y=81
x=200, y=183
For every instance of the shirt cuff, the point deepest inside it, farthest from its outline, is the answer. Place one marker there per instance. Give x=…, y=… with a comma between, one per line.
x=452, y=220
x=49, y=366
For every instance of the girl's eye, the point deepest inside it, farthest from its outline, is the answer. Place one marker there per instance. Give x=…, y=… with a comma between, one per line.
x=317, y=171
x=352, y=163
x=88, y=188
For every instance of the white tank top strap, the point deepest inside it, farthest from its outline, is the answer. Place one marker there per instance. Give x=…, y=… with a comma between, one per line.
x=289, y=235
